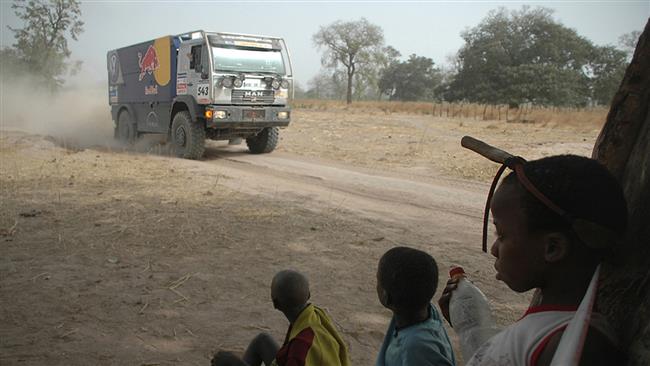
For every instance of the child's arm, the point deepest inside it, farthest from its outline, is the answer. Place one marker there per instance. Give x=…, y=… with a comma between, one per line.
x=598, y=350
x=425, y=354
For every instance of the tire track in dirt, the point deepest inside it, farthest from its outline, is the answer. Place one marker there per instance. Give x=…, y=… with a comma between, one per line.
x=375, y=194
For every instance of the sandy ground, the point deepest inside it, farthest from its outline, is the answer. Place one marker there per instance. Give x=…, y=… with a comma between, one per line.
x=132, y=257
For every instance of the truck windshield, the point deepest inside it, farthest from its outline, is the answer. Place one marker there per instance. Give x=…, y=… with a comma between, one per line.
x=247, y=60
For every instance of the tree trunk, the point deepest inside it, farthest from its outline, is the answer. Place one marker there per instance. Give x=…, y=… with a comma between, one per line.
x=349, y=94
x=624, y=147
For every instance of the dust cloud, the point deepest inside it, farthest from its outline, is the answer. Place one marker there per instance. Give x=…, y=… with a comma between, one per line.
x=76, y=116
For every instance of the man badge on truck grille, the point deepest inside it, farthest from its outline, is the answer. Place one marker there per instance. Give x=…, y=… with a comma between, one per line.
x=253, y=95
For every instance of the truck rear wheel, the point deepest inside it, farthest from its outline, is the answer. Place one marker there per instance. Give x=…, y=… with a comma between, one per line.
x=187, y=136
x=125, y=130
x=264, y=142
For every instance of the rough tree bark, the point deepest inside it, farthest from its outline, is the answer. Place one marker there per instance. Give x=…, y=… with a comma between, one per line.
x=624, y=147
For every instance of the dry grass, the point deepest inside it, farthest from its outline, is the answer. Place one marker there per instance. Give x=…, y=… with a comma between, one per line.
x=425, y=145
x=593, y=117
x=127, y=258
x=142, y=259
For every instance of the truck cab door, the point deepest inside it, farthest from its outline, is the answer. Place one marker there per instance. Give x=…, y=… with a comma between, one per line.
x=193, y=65
x=198, y=74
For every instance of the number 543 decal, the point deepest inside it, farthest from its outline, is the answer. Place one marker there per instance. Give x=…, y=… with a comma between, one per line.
x=202, y=90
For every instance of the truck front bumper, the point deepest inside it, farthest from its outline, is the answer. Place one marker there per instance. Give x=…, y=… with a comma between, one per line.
x=247, y=116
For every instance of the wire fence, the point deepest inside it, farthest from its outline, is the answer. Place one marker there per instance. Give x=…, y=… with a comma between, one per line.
x=525, y=113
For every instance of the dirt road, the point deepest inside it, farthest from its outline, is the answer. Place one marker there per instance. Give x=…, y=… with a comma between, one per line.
x=126, y=258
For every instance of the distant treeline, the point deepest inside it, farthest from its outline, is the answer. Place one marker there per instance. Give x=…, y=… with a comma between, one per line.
x=512, y=57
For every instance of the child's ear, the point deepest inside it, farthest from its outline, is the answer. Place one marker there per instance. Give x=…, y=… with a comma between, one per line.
x=556, y=247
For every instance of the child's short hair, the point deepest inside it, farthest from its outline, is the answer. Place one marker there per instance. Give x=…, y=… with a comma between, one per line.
x=582, y=187
x=410, y=277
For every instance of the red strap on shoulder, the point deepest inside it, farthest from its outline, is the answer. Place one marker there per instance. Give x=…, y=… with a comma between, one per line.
x=549, y=307
x=540, y=347
x=295, y=352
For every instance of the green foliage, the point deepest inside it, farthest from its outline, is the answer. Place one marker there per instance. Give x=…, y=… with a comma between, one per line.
x=607, y=68
x=414, y=79
x=41, y=49
x=351, y=45
x=326, y=85
x=367, y=79
x=526, y=56
x=12, y=64
x=627, y=42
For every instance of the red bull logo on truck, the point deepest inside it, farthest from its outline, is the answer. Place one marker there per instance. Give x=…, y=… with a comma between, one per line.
x=149, y=63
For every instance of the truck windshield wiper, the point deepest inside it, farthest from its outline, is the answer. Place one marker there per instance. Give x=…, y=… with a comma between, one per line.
x=249, y=72
x=264, y=73
x=228, y=70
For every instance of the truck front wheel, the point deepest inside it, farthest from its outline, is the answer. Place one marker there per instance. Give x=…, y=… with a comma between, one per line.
x=263, y=142
x=187, y=136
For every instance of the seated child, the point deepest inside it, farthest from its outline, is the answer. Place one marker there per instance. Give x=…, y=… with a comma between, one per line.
x=311, y=340
x=407, y=279
x=539, y=246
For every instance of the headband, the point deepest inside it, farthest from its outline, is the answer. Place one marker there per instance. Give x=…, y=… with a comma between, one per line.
x=593, y=235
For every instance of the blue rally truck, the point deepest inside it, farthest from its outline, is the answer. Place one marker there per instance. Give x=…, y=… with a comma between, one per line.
x=198, y=85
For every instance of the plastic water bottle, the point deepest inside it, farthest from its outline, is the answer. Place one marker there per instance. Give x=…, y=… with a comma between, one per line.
x=470, y=314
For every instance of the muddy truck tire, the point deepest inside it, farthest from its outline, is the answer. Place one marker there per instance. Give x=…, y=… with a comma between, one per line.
x=264, y=142
x=187, y=136
x=125, y=132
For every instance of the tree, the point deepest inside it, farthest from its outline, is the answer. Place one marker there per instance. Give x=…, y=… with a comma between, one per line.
x=325, y=86
x=41, y=45
x=367, y=83
x=298, y=91
x=627, y=42
x=414, y=79
x=527, y=56
x=351, y=44
x=624, y=147
x=606, y=69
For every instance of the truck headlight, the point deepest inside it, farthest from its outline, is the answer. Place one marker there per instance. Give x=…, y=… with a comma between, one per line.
x=285, y=84
x=275, y=84
x=220, y=114
x=226, y=82
x=283, y=115
x=238, y=82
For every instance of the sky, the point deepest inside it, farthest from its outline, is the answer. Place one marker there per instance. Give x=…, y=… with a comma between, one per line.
x=426, y=28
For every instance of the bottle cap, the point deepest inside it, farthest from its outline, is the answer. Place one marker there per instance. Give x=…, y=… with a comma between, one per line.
x=456, y=271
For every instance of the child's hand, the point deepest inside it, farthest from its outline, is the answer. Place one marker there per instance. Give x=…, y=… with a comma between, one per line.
x=443, y=302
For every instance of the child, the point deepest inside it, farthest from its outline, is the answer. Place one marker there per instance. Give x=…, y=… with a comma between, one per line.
x=311, y=339
x=541, y=244
x=406, y=281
